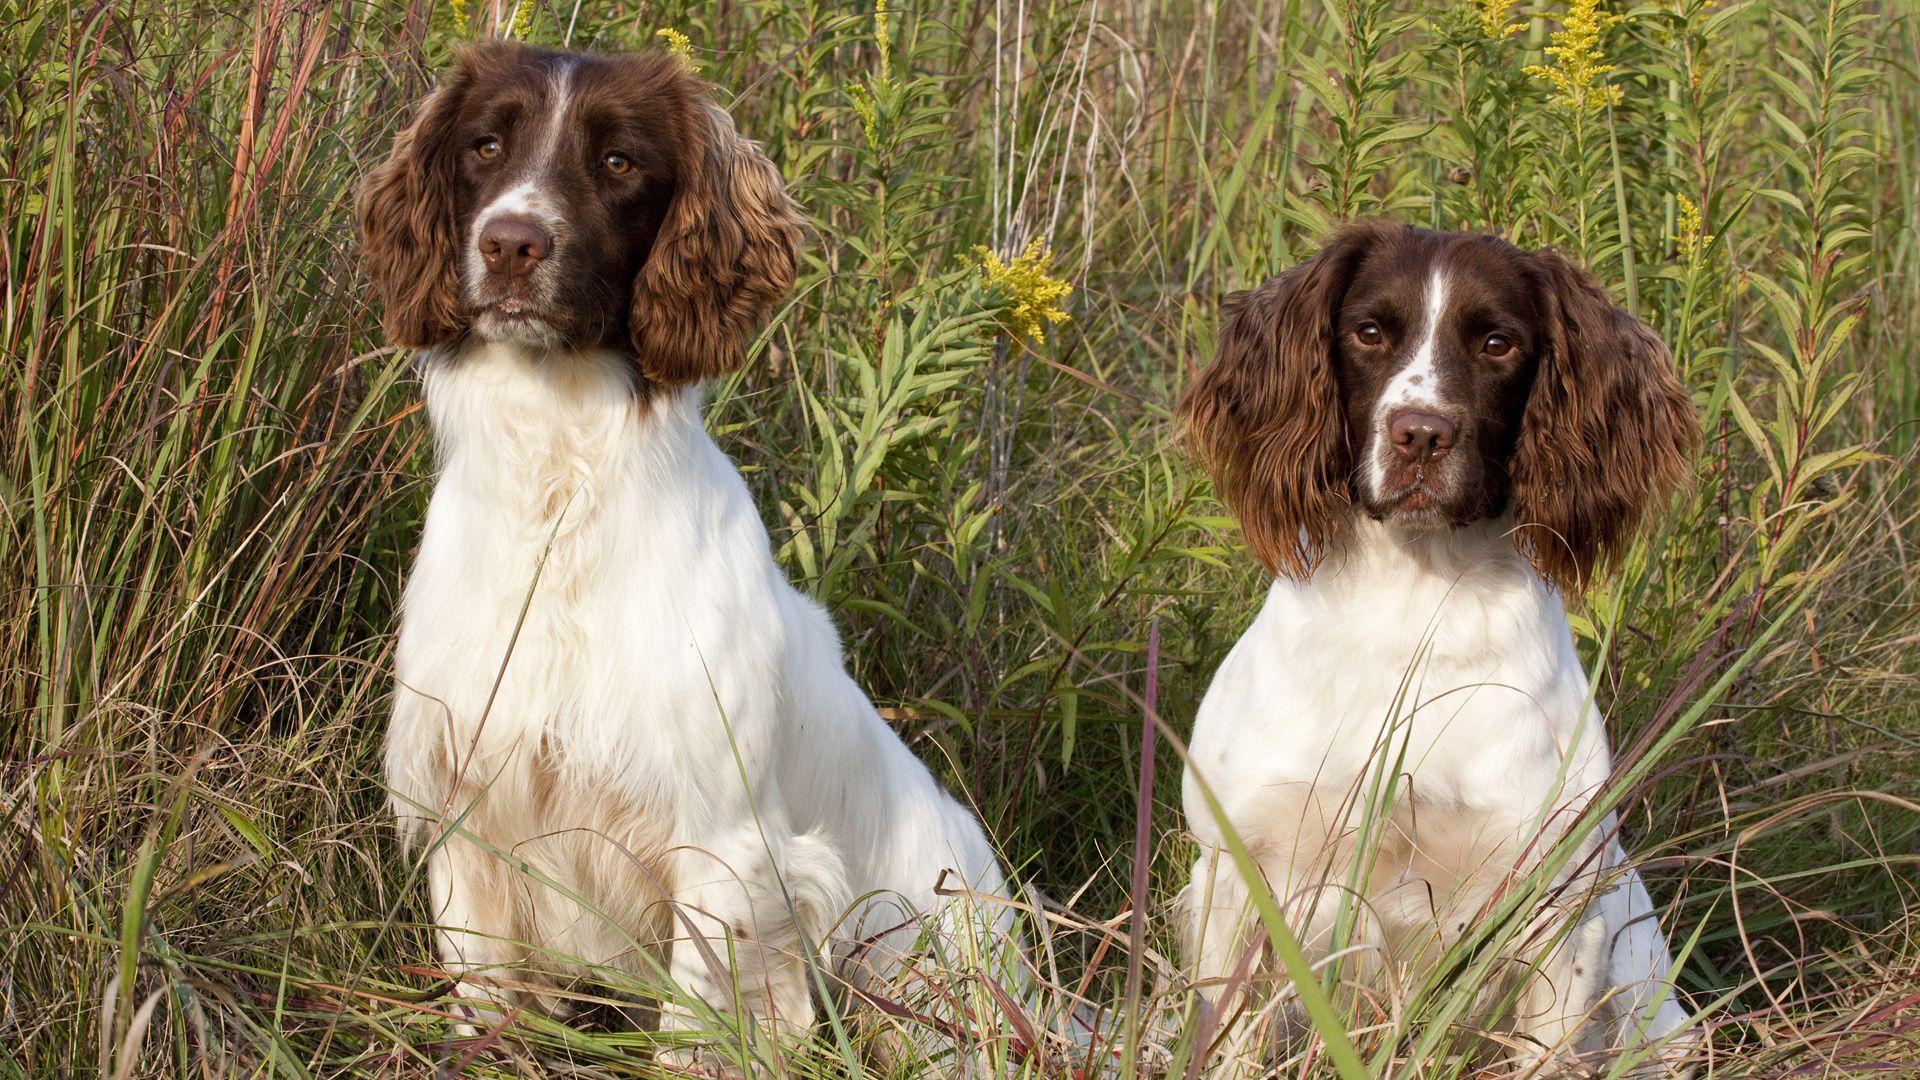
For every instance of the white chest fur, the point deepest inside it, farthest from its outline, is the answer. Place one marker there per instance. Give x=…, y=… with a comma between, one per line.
x=1450, y=651
x=579, y=548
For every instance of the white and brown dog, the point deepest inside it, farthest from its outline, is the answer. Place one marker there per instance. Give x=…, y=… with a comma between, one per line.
x=619, y=733
x=1430, y=438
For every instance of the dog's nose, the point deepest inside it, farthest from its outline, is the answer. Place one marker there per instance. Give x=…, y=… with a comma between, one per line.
x=513, y=246
x=1420, y=436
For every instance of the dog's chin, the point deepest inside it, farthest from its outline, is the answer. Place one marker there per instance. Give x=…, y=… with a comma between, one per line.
x=513, y=322
x=1418, y=507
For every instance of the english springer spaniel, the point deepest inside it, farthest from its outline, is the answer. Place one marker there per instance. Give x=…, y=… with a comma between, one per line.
x=1430, y=438
x=619, y=734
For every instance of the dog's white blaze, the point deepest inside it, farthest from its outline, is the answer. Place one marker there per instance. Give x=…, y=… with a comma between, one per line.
x=1418, y=382
x=1415, y=385
x=529, y=198
x=556, y=117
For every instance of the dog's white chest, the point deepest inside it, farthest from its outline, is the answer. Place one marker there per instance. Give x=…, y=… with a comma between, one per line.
x=570, y=600
x=1458, y=682
x=515, y=532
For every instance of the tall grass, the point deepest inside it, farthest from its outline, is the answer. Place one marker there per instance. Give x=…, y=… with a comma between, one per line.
x=212, y=472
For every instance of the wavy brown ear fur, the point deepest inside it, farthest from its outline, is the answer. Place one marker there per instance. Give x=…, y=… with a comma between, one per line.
x=1607, y=432
x=408, y=236
x=726, y=252
x=1265, y=417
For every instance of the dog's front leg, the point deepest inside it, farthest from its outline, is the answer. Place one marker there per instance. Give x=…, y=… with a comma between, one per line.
x=1219, y=918
x=477, y=935
x=1560, y=993
x=743, y=936
x=1231, y=965
x=1226, y=954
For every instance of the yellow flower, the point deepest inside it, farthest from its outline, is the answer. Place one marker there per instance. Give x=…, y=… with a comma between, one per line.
x=1033, y=295
x=1693, y=238
x=865, y=107
x=522, y=20
x=880, y=35
x=458, y=8
x=679, y=45
x=1494, y=16
x=1579, y=72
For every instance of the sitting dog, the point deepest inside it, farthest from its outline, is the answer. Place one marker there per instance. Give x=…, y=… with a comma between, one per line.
x=619, y=733
x=1430, y=438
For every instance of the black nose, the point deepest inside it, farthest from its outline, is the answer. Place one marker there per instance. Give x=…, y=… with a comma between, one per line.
x=1419, y=436
x=513, y=246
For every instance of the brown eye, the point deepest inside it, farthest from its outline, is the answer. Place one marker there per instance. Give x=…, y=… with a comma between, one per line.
x=1368, y=333
x=617, y=164
x=487, y=149
x=1497, y=345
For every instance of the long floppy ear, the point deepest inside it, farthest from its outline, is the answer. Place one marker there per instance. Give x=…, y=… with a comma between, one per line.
x=408, y=236
x=725, y=253
x=1607, y=432
x=1265, y=417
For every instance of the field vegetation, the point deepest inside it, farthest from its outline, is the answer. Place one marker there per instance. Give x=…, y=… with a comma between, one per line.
x=1024, y=218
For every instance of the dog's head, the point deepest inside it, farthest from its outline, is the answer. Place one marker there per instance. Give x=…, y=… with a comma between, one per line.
x=1429, y=380
x=569, y=201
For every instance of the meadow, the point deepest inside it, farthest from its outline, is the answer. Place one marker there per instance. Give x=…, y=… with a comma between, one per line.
x=1024, y=216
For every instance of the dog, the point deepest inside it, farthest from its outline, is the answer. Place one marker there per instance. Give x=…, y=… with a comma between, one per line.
x=619, y=735
x=1430, y=439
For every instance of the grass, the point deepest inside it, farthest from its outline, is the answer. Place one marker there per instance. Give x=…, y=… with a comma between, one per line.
x=212, y=474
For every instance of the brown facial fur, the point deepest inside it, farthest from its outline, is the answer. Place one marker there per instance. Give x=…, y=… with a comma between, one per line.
x=1486, y=290
x=677, y=257
x=1264, y=417
x=1579, y=427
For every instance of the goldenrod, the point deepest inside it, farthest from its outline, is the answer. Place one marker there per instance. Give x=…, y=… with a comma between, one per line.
x=1033, y=294
x=679, y=45
x=1692, y=236
x=1579, y=72
x=1495, y=18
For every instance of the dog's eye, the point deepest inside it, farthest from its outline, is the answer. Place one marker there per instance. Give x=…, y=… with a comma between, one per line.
x=1497, y=345
x=1368, y=333
x=487, y=149
x=617, y=164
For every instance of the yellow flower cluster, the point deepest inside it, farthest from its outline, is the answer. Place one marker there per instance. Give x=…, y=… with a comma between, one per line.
x=1496, y=18
x=1693, y=237
x=522, y=23
x=1579, y=71
x=882, y=34
x=865, y=105
x=679, y=45
x=1033, y=294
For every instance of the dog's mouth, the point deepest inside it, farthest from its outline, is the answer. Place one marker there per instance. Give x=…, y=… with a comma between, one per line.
x=519, y=319
x=1421, y=496
x=519, y=298
x=516, y=309
x=1416, y=493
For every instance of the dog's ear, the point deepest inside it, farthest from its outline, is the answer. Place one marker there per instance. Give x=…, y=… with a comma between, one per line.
x=1607, y=433
x=1265, y=417
x=725, y=253
x=408, y=235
